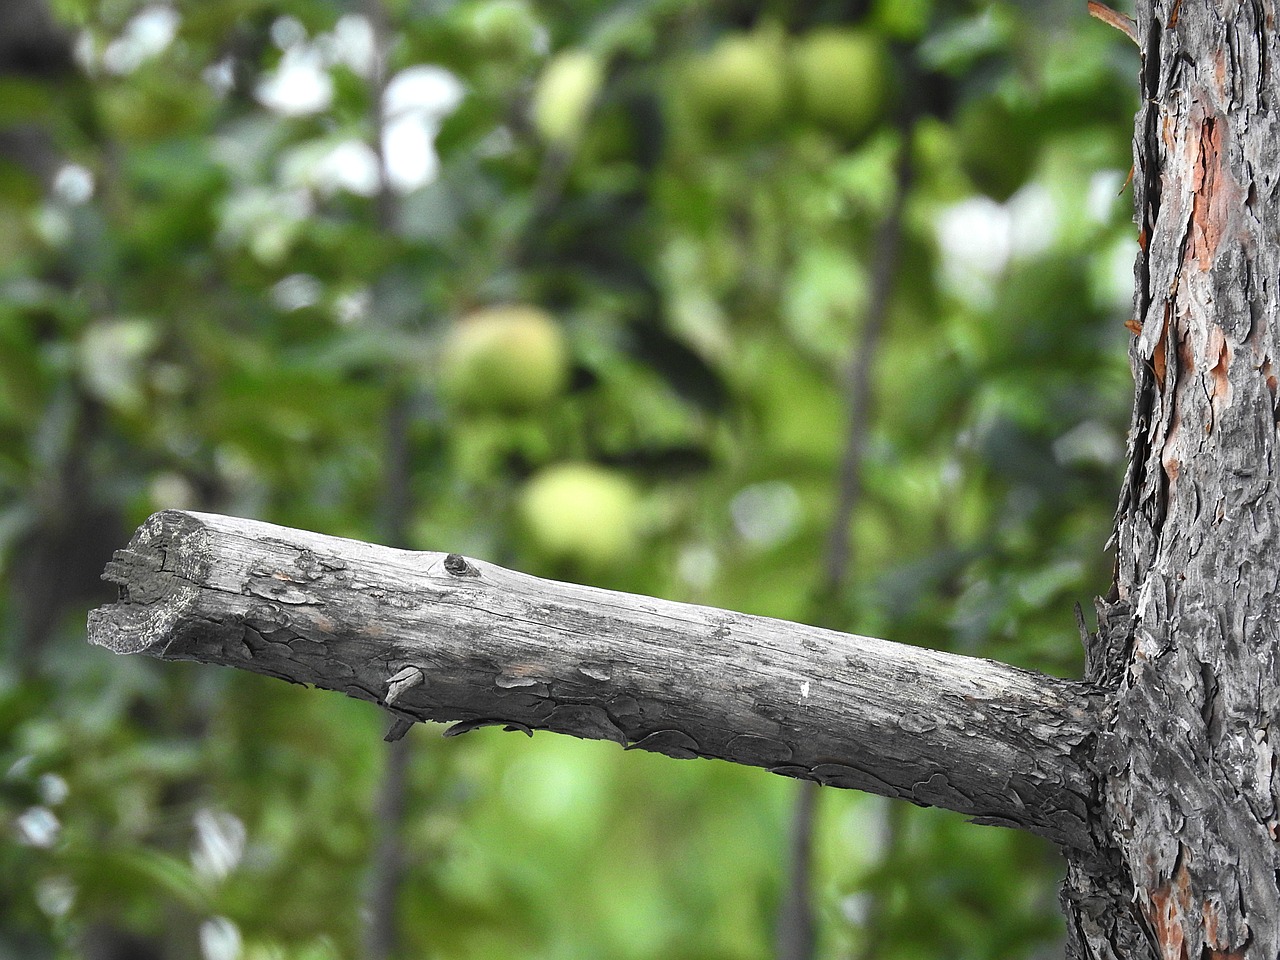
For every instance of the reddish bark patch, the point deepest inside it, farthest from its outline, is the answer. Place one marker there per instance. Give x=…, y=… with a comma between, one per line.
x=1186, y=356
x=1219, y=356
x=1211, y=202
x=1212, y=922
x=1177, y=918
x=1158, y=362
x=1168, y=909
x=1169, y=452
x=1216, y=946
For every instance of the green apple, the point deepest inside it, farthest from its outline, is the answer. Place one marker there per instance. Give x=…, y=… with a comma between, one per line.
x=581, y=514
x=505, y=359
x=842, y=76
x=998, y=148
x=501, y=29
x=902, y=19
x=563, y=97
x=738, y=89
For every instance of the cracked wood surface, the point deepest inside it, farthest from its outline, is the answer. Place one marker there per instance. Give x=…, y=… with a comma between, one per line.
x=439, y=637
x=1189, y=767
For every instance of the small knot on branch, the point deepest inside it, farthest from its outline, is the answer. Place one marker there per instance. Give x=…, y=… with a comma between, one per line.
x=457, y=565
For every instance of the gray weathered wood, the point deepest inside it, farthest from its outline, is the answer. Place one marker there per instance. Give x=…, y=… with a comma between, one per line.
x=439, y=637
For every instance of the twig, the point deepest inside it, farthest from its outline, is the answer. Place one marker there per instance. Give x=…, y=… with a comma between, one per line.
x=1114, y=18
x=858, y=386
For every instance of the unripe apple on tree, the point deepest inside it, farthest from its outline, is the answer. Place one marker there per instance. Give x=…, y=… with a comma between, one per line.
x=564, y=95
x=995, y=149
x=581, y=514
x=739, y=88
x=842, y=76
x=501, y=29
x=504, y=359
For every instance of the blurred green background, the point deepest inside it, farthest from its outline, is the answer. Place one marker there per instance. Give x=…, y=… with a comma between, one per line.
x=631, y=293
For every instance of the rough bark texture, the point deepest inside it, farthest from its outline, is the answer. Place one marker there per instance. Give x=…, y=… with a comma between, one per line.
x=447, y=638
x=1188, y=639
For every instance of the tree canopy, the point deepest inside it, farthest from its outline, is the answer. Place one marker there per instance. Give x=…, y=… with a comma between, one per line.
x=815, y=311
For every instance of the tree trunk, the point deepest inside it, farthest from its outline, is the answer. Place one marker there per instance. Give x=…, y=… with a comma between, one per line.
x=1158, y=775
x=1188, y=638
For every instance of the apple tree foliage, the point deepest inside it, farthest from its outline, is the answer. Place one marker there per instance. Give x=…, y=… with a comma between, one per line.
x=610, y=280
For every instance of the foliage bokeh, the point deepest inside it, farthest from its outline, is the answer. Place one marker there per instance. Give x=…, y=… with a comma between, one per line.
x=213, y=295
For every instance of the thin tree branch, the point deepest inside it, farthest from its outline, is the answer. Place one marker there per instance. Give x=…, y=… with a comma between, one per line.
x=797, y=936
x=989, y=740
x=858, y=385
x=380, y=926
x=380, y=921
x=386, y=865
x=1113, y=18
x=388, y=206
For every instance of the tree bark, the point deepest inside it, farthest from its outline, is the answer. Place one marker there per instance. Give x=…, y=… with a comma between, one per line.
x=1188, y=770
x=440, y=637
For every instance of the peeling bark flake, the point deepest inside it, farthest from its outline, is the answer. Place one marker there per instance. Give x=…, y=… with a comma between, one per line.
x=1213, y=191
